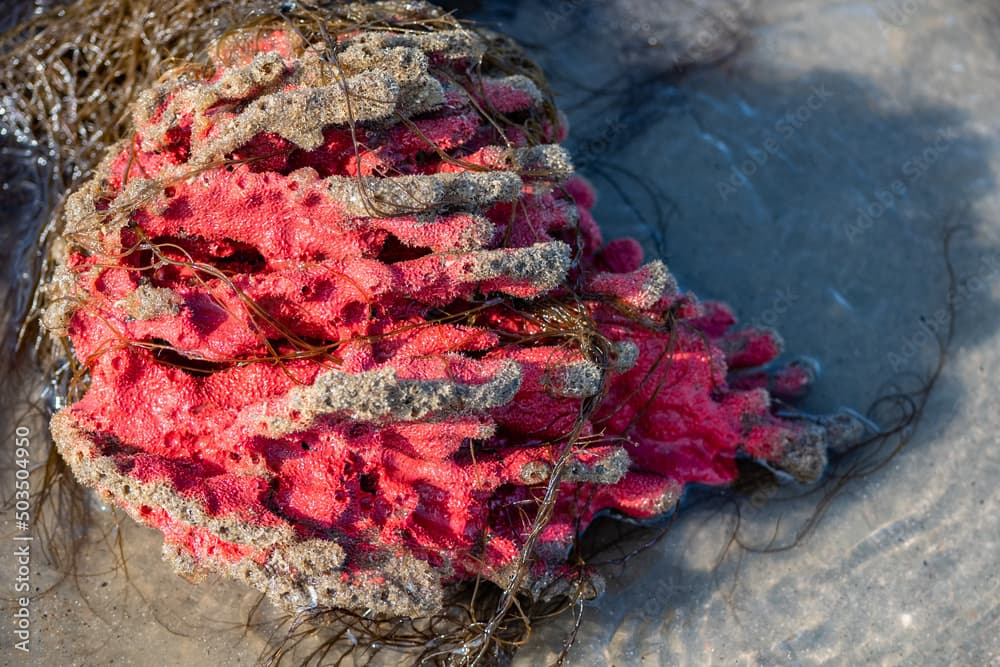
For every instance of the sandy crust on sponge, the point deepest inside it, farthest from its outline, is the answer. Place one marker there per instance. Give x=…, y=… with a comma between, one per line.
x=148, y=303
x=400, y=195
x=380, y=396
x=544, y=265
x=307, y=575
x=296, y=574
x=83, y=454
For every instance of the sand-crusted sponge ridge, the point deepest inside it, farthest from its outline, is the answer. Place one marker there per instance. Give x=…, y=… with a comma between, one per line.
x=342, y=306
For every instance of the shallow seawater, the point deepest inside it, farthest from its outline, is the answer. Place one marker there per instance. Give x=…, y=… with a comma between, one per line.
x=808, y=179
x=804, y=169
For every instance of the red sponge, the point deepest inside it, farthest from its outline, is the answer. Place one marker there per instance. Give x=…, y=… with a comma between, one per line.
x=343, y=308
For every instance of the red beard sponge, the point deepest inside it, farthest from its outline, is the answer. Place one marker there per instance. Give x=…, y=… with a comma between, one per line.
x=343, y=307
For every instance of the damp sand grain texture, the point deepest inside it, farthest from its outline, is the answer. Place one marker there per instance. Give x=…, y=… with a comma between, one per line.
x=891, y=104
